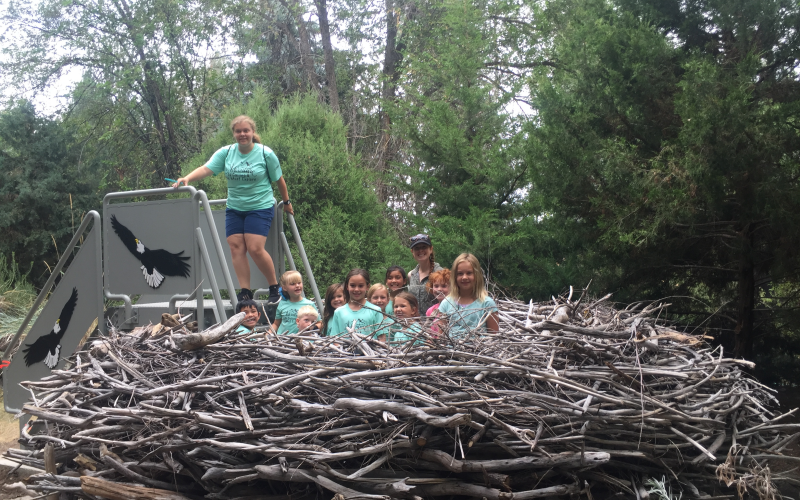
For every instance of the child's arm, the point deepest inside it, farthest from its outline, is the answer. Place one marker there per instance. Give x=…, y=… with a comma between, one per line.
x=276, y=325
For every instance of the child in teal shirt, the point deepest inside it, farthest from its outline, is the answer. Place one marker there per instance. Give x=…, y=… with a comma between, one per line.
x=405, y=329
x=356, y=311
x=286, y=316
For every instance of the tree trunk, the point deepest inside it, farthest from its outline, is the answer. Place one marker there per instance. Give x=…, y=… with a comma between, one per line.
x=391, y=61
x=306, y=58
x=151, y=92
x=330, y=70
x=746, y=290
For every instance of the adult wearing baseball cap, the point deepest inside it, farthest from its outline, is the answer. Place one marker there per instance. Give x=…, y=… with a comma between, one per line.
x=422, y=250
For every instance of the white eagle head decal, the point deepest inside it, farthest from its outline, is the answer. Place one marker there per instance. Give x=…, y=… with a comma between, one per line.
x=139, y=246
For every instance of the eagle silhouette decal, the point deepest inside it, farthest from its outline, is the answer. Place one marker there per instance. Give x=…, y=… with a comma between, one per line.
x=47, y=348
x=156, y=264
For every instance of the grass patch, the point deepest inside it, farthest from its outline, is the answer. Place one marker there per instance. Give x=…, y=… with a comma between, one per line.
x=17, y=296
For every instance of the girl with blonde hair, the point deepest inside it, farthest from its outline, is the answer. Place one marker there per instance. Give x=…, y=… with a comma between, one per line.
x=250, y=171
x=468, y=308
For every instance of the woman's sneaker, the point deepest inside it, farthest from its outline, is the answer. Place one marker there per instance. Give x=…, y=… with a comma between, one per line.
x=245, y=294
x=274, y=296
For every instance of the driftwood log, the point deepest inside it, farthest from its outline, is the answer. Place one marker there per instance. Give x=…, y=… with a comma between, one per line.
x=572, y=398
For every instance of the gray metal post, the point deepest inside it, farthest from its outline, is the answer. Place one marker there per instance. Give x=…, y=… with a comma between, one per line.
x=220, y=313
x=302, y=250
x=91, y=216
x=126, y=299
x=288, y=251
x=226, y=274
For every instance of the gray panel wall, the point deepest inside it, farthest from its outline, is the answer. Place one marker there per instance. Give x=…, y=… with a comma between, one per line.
x=81, y=275
x=273, y=247
x=160, y=225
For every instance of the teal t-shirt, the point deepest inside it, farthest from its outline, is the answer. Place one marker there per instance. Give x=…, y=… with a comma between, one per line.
x=249, y=186
x=401, y=334
x=368, y=320
x=390, y=308
x=241, y=329
x=463, y=319
x=287, y=313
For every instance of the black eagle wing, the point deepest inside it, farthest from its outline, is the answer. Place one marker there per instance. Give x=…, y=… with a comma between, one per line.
x=67, y=310
x=168, y=263
x=125, y=234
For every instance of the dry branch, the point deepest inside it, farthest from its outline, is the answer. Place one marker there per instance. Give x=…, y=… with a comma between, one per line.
x=569, y=397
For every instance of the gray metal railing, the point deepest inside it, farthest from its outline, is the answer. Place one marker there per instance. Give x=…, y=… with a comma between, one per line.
x=91, y=216
x=303, y=256
x=197, y=196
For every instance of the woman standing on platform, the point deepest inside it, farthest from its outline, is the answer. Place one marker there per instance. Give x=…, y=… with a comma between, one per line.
x=250, y=168
x=422, y=250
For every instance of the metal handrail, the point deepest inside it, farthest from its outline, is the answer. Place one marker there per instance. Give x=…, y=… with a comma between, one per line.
x=306, y=264
x=197, y=195
x=92, y=215
x=226, y=274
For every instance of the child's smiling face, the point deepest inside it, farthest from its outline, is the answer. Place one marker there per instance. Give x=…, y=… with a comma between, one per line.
x=380, y=298
x=465, y=279
x=338, y=299
x=357, y=288
x=403, y=308
x=251, y=316
x=395, y=280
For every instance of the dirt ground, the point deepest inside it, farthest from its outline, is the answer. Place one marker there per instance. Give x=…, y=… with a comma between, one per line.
x=9, y=433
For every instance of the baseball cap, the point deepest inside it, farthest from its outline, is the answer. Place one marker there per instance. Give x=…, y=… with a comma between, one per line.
x=421, y=239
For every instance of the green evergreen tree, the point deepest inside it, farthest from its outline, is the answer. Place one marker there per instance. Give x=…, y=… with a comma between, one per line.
x=340, y=219
x=669, y=137
x=45, y=190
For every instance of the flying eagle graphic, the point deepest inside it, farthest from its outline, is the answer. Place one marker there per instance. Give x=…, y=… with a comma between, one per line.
x=155, y=263
x=47, y=348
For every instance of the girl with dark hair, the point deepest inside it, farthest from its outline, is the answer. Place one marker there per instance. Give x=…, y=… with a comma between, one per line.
x=334, y=299
x=250, y=169
x=396, y=282
x=357, y=311
x=422, y=250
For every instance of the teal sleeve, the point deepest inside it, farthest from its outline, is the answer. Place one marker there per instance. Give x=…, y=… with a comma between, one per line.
x=390, y=308
x=446, y=308
x=377, y=322
x=217, y=162
x=273, y=165
x=335, y=327
x=490, y=304
x=384, y=328
x=279, y=312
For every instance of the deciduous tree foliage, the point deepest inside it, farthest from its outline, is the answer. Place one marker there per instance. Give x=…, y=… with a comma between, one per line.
x=148, y=77
x=45, y=189
x=671, y=136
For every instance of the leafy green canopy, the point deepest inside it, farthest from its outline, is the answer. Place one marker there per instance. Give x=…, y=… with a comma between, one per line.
x=342, y=224
x=669, y=139
x=463, y=175
x=45, y=189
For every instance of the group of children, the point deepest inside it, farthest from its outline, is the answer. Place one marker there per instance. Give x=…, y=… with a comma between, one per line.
x=386, y=311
